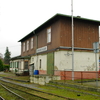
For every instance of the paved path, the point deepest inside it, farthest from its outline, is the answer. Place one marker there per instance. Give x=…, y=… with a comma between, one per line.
x=30, y=85
x=1, y=72
x=93, y=83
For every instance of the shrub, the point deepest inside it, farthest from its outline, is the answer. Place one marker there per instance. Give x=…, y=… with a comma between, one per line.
x=6, y=67
x=1, y=65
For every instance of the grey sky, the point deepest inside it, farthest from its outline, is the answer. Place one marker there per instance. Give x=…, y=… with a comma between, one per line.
x=19, y=17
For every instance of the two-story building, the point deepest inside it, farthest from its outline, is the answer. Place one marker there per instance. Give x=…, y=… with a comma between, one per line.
x=50, y=45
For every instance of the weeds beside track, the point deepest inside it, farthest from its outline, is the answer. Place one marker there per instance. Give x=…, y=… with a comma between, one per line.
x=33, y=92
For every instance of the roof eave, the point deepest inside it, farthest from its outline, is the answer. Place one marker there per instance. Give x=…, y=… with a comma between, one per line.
x=56, y=16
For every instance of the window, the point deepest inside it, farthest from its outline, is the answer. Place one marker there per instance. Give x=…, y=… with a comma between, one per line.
x=27, y=45
x=32, y=59
x=31, y=43
x=26, y=65
x=49, y=35
x=17, y=64
x=23, y=47
x=11, y=65
x=40, y=63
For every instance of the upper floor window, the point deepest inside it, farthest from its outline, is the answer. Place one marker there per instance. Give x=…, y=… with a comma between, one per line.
x=27, y=45
x=31, y=43
x=49, y=35
x=23, y=46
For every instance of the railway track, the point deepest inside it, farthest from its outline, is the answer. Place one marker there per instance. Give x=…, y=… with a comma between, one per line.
x=1, y=98
x=11, y=92
x=33, y=92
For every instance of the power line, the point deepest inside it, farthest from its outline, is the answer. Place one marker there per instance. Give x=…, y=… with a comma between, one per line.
x=9, y=46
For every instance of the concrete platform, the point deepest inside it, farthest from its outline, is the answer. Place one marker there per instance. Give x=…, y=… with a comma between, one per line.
x=43, y=79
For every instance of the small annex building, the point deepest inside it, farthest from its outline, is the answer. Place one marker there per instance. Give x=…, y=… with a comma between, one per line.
x=19, y=65
x=49, y=47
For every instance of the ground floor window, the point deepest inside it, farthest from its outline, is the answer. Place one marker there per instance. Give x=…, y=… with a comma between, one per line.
x=40, y=63
x=26, y=65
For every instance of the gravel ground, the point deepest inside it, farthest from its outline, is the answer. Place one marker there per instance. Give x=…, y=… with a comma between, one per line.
x=36, y=86
x=30, y=85
x=93, y=83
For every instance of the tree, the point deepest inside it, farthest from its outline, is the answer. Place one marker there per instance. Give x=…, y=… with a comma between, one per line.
x=7, y=56
x=1, y=65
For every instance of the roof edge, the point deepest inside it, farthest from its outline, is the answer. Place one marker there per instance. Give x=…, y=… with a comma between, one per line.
x=58, y=14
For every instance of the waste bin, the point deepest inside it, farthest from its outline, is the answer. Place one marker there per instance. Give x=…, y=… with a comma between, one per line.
x=36, y=72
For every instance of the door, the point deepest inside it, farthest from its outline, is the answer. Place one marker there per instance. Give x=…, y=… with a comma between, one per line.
x=31, y=69
x=50, y=63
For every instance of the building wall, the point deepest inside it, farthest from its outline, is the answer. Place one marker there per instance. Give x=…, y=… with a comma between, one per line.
x=16, y=65
x=83, y=61
x=41, y=39
x=40, y=66
x=30, y=51
x=85, y=33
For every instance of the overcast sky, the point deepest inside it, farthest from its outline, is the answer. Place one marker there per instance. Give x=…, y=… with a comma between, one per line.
x=19, y=17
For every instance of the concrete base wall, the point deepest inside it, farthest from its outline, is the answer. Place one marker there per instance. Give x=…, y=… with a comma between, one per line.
x=43, y=79
x=67, y=75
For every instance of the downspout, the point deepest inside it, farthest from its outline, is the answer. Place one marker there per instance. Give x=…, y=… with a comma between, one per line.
x=36, y=68
x=36, y=52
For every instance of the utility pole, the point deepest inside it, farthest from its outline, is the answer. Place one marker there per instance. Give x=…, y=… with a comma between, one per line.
x=72, y=41
x=96, y=50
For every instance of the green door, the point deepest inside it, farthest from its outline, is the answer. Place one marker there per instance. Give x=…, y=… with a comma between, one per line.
x=50, y=63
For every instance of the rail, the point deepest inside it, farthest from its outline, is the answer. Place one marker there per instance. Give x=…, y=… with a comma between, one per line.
x=1, y=98
x=45, y=93
x=12, y=92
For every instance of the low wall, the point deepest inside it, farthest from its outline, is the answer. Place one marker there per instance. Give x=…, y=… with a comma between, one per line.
x=43, y=79
x=67, y=75
x=79, y=75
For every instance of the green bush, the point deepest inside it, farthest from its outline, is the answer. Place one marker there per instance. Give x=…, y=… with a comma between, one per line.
x=1, y=65
x=6, y=67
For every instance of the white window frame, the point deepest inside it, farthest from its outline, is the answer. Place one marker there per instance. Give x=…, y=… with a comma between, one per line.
x=32, y=43
x=49, y=35
x=24, y=47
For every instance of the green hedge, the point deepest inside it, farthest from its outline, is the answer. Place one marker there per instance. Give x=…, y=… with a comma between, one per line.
x=6, y=67
x=1, y=65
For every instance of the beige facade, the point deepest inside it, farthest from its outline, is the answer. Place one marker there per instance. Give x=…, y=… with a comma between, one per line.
x=39, y=61
x=83, y=61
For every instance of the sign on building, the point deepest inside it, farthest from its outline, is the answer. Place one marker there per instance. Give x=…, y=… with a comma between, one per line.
x=41, y=49
x=96, y=47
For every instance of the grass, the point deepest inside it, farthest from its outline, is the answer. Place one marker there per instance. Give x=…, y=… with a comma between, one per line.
x=13, y=76
x=84, y=82
x=67, y=93
x=76, y=89
x=25, y=95
x=6, y=95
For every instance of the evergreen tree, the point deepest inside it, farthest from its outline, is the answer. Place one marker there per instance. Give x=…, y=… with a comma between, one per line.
x=1, y=65
x=7, y=56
